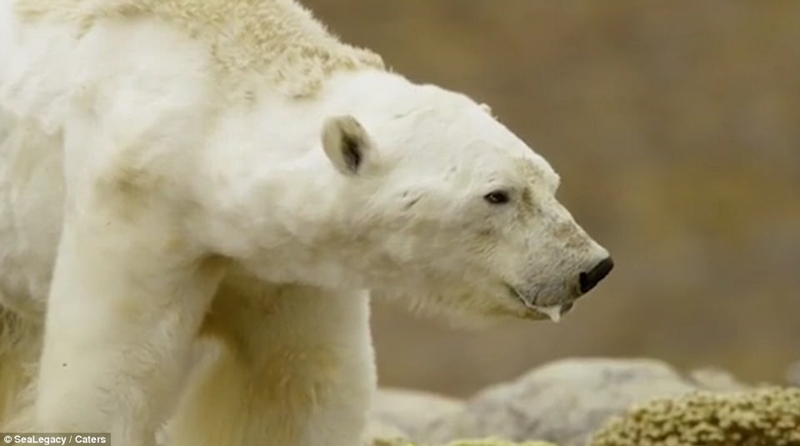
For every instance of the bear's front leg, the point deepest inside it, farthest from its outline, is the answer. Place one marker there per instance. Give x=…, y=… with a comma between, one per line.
x=284, y=366
x=125, y=302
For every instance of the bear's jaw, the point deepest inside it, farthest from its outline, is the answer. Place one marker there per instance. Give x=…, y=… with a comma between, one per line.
x=539, y=311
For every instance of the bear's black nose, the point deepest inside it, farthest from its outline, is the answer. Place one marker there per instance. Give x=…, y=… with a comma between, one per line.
x=589, y=279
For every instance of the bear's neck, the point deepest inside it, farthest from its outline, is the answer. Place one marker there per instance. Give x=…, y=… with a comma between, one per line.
x=273, y=200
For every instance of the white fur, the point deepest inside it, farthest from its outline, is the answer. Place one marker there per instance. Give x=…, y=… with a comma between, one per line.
x=157, y=200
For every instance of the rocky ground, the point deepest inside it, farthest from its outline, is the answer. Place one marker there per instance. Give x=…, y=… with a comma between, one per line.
x=598, y=402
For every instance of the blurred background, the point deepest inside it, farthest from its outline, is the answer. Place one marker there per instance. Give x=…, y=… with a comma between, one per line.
x=675, y=127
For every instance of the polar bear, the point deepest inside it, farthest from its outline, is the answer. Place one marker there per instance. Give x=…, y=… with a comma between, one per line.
x=226, y=176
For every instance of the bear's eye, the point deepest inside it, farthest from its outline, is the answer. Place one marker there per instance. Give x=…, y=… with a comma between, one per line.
x=497, y=197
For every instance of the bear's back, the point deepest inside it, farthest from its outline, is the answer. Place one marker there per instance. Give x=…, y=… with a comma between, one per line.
x=275, y=41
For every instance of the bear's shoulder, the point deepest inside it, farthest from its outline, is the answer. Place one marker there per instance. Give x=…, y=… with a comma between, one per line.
x=276, y=40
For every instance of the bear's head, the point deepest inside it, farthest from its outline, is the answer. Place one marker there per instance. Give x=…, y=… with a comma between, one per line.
x=443, y=204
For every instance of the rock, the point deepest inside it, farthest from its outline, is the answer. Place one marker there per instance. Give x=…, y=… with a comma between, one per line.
x=482, y=442
x=716, y=379
x=562, y=402
x=493, y=442
x=398, y=412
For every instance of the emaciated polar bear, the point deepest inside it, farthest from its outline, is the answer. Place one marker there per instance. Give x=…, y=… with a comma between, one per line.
x=176, y=172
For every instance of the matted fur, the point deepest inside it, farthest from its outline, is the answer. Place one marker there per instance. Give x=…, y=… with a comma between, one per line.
x=277, y=41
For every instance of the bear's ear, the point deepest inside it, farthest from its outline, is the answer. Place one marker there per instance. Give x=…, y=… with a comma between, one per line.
x=346, y=143
x=486, y=108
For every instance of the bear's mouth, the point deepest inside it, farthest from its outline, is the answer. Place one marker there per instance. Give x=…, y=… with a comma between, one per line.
x=538, y=312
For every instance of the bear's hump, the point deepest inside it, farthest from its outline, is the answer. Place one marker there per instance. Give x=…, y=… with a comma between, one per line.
x=279, y=41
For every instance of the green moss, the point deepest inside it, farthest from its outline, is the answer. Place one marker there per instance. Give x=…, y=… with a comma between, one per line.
x=763, y=417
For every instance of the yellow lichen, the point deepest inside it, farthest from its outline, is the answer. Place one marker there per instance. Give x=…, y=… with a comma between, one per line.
x=762, y=417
